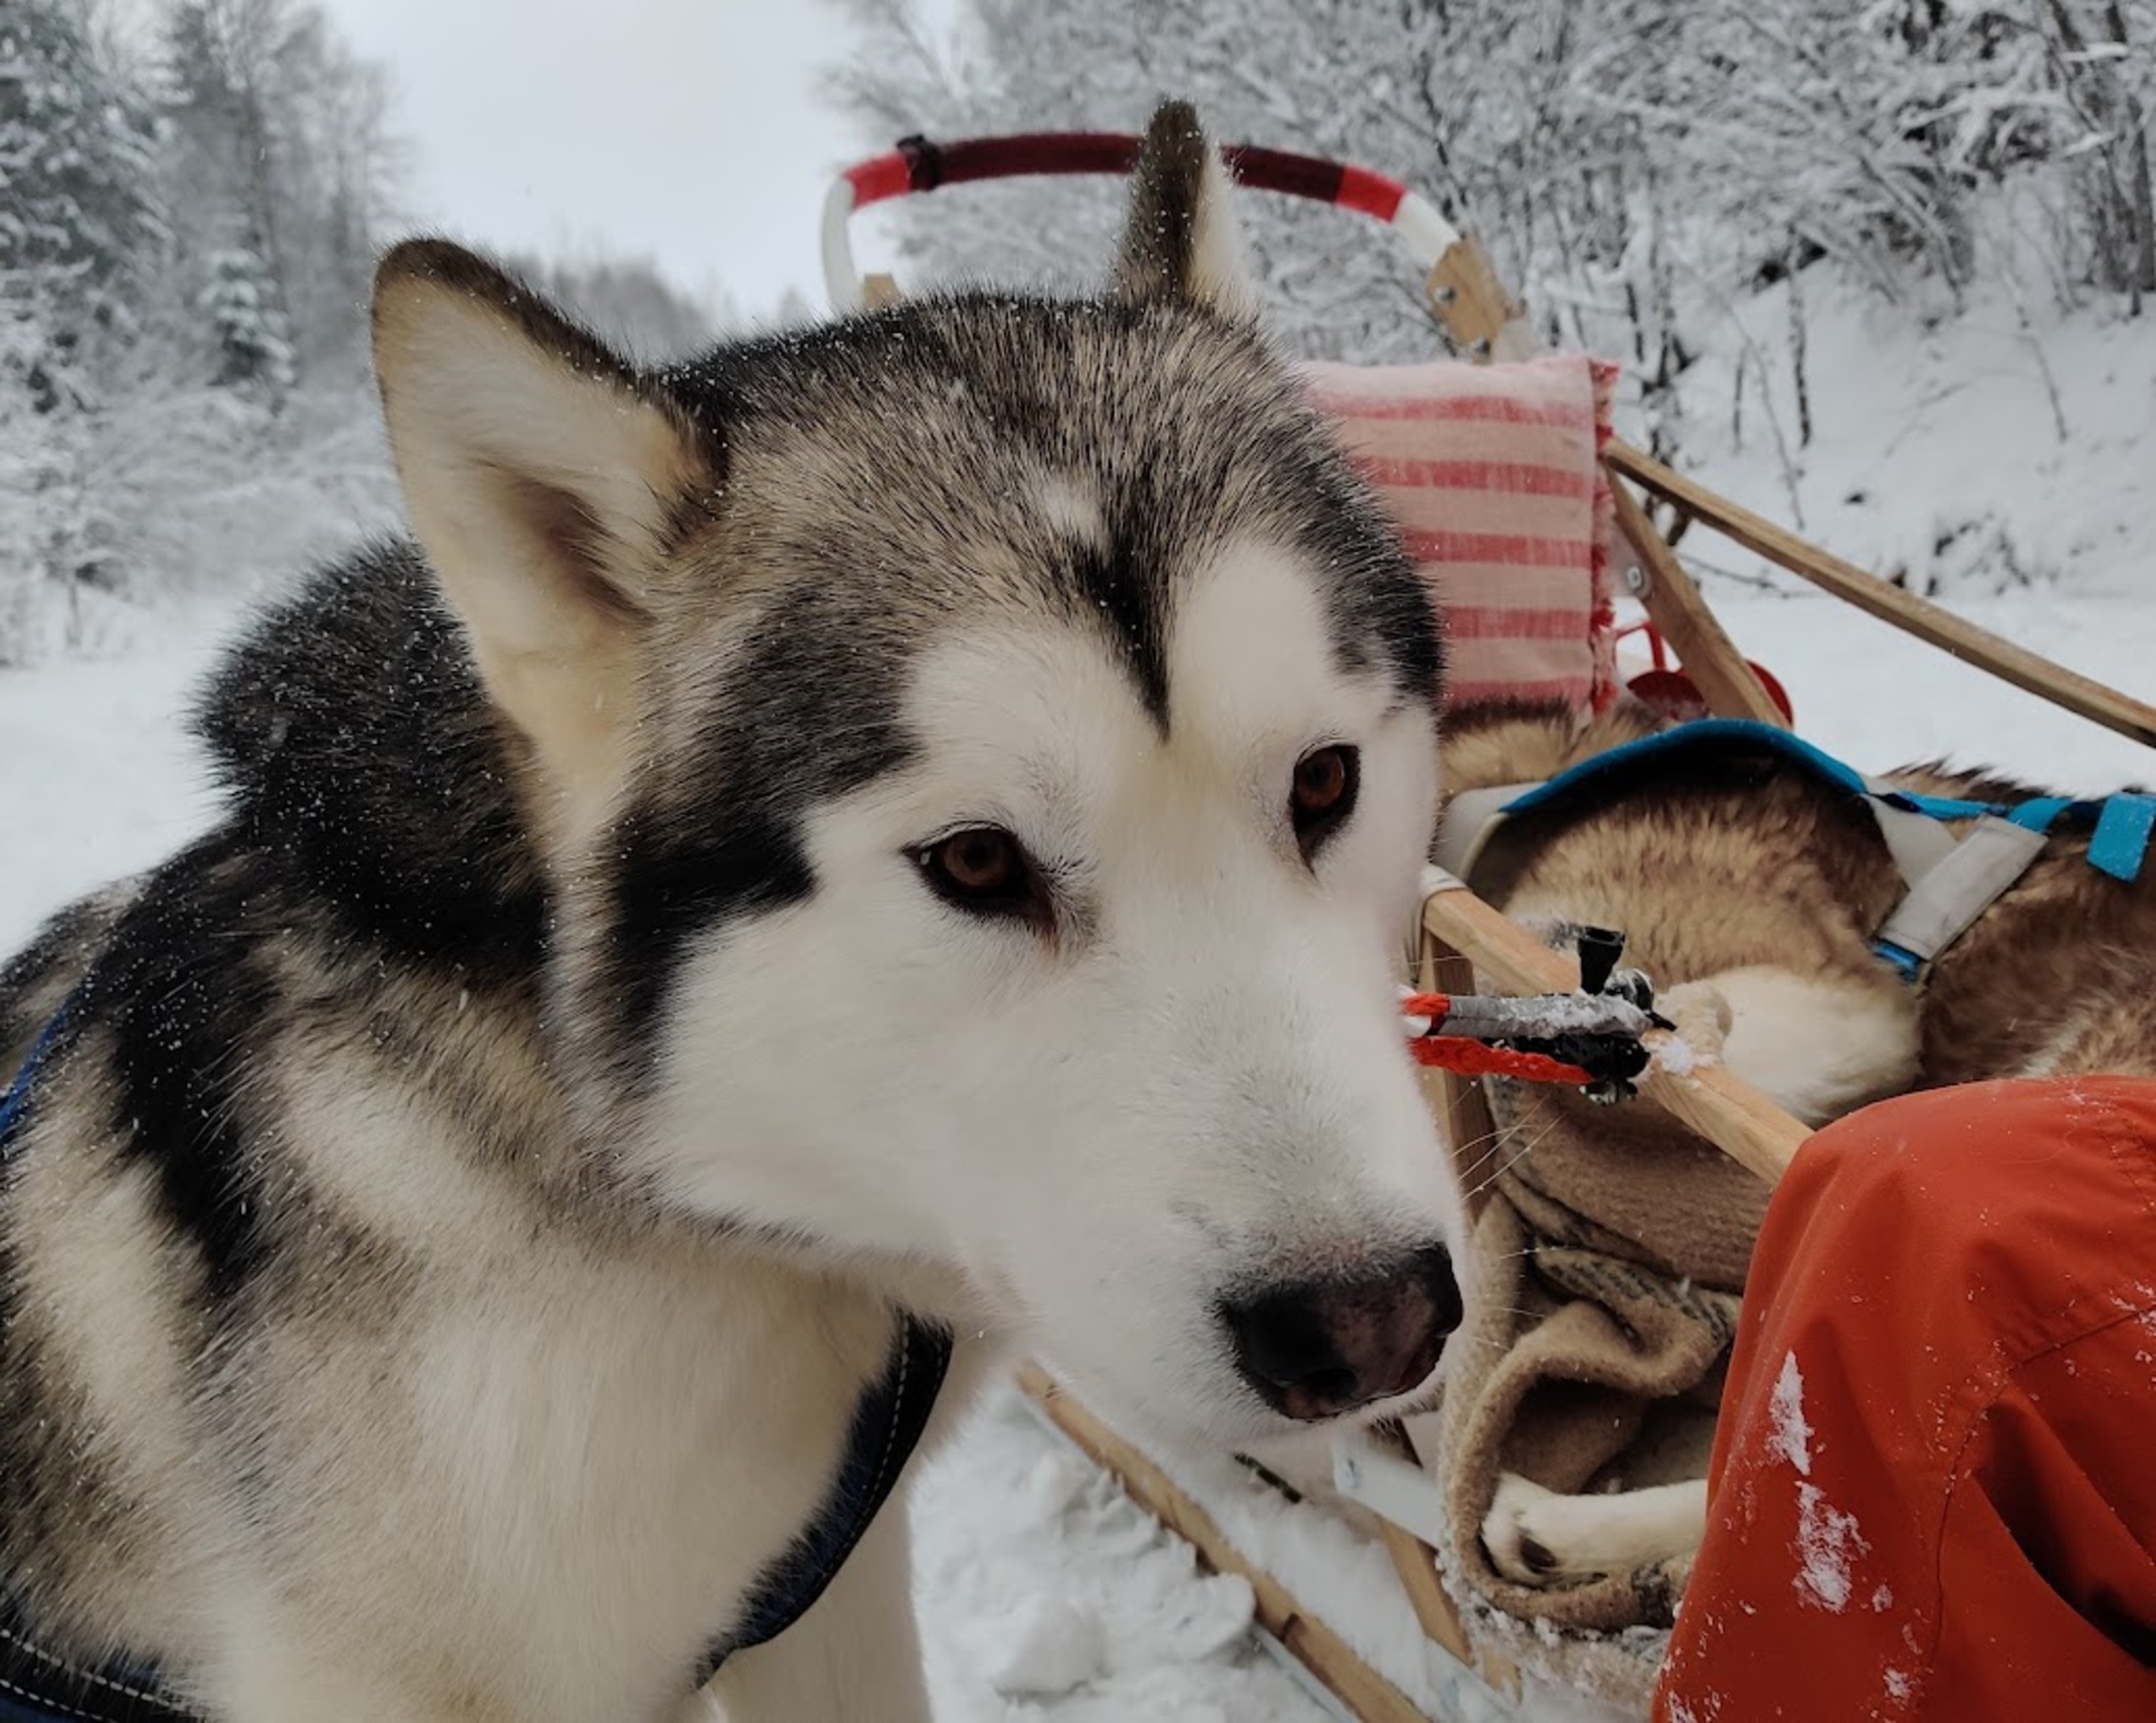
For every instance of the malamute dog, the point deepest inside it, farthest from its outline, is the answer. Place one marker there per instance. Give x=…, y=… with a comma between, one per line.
x=1749, y=888
x=866, y=837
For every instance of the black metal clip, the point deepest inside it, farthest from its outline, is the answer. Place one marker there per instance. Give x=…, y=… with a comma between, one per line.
x=1611, y=1059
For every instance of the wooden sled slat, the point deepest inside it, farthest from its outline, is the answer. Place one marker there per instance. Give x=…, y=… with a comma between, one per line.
x=1679, y=610
x=1711, y=1101
x=1486, y=322
x=1321, y=1650
x=2002, y=657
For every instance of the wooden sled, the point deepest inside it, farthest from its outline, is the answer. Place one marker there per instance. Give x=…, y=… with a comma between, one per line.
x=1460, y=934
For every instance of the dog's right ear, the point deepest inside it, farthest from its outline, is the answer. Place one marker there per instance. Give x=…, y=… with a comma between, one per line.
x=1180, y=237
x=546, y=481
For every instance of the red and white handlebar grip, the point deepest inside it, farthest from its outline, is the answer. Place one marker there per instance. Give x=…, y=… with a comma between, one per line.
x=918, y=166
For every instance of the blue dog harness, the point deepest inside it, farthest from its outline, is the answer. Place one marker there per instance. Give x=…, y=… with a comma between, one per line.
x=37, y=1686
x=1950, y=879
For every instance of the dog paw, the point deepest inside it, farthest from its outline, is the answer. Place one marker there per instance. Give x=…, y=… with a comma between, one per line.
x=1537, y=1537
x=1702, y=1015
x=1513, y=1534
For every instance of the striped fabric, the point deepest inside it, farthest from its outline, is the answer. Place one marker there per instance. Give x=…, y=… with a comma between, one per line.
x=1491, y=473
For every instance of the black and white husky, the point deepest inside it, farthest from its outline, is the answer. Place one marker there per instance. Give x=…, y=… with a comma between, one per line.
x=899, y=832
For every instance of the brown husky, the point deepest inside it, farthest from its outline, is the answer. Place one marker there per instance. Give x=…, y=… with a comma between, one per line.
x=1750, y=889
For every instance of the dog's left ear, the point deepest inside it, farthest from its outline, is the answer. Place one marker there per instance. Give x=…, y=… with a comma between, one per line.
x=1180, y=238
x=546, y=479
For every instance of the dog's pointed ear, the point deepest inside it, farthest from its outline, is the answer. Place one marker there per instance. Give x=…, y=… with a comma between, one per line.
x=546, y=479
x=1180, y=238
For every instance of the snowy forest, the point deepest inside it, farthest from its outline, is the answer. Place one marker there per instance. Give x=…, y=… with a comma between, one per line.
x=191, y=208
x=1882, y=267
x=1802, y=224
x=1629, y=164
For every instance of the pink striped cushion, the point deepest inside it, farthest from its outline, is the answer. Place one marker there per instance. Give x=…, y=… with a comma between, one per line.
x=1491, y=473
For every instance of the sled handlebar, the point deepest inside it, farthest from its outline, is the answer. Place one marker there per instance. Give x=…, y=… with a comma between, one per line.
x=918, y=164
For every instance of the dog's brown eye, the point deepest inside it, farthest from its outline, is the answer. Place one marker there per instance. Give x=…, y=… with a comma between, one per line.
x=1323, y=794
x=983, y=869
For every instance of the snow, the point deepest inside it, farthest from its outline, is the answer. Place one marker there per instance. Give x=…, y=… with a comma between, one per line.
x=101, y=779
x=1872, y=696
x=1790, y=1434
x=1047, y=1593
x=1987, y=453
x=1043, y=1594
x=1674, y=1054
x=1828, y=1544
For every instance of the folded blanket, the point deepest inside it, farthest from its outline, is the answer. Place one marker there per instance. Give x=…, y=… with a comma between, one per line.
x=1612, y=1248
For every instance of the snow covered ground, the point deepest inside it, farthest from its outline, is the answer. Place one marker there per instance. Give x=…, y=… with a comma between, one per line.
x=2004, y=448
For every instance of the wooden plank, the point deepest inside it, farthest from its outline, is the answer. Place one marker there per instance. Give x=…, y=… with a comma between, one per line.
x=1928, y=621
x=879, y=290
x=1709, y=656
x=1484, y=319
x=1321, y=1650
x=1712, y=1100
x=1416, y=1563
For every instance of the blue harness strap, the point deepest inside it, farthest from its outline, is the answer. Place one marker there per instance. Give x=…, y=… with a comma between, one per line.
x=1685, y=738
x=2121, y=839
x=36, y=1686
x=888, y=1424
x=2125, y=823
x=14, y=1104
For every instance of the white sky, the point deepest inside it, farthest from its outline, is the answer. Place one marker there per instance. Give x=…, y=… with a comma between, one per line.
x=688, y=131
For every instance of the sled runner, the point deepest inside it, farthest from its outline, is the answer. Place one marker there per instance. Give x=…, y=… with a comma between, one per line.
x=1533, y=521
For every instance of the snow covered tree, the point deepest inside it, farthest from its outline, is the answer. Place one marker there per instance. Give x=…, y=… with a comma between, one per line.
x=281, y=154
x=79, y=209
x=253, y=346
x=78, y=217
x=2103, y=57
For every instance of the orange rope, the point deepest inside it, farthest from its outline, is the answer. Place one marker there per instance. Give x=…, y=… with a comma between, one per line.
x=1475, y=1059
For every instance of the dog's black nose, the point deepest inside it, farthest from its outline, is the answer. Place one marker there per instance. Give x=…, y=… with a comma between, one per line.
x=1326, y=1346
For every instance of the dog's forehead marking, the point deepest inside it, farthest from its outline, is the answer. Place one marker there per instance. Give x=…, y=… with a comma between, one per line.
x=1043, y=464
x=1252, y=658
x=1044, y=712
x=1032, y=709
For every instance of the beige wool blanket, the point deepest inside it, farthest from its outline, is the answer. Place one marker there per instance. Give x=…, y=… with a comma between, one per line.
x=1611, y=1246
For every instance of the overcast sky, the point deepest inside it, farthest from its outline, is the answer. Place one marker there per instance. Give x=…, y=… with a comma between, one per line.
x=689, y=132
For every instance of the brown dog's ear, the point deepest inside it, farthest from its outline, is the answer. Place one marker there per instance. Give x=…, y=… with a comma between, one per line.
x=546, y=479
x=1180, y=238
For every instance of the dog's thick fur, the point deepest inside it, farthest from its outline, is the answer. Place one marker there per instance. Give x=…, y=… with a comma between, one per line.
x=471, y=1186
x=1748, y=893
